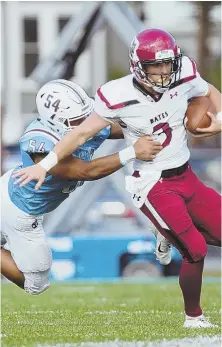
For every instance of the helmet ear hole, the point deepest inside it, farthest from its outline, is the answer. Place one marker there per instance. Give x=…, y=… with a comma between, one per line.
x=66, y=123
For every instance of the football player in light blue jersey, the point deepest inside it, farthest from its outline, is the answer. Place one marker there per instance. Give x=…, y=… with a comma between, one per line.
x=61, y=105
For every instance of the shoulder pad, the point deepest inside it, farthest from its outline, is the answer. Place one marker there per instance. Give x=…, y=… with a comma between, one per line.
x=38, y=141
x=188, y=70
x=118, y=93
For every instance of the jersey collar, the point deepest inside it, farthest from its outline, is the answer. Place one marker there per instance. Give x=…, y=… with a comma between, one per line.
x=154, y=97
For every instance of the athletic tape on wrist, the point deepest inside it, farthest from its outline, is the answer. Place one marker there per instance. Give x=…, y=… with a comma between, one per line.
x=219, y=116
x=126, y=155
x=49, y=161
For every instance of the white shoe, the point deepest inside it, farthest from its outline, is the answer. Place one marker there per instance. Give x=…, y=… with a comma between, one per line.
x=163, y=249
x=198, y=322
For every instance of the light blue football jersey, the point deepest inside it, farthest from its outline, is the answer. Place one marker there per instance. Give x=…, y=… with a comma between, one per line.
x=40, y=139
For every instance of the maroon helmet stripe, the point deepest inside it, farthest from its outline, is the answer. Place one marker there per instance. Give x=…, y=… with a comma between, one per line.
x=116, y=106
x=42, y=131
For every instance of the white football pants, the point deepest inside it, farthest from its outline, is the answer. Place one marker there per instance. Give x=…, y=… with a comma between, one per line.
x=26, y=240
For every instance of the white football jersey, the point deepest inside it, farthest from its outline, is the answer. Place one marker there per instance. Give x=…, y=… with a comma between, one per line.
x=125, y=101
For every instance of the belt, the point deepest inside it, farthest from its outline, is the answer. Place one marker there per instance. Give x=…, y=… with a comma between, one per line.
x=170, y=172
x=174, y=172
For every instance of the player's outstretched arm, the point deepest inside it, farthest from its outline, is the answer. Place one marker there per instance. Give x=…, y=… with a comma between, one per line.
x=69, y=143
x=78, y=136
x=76, y=169
x=145, y=149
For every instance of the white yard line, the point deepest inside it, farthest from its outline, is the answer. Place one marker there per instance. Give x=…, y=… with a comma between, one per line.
x=200, y=341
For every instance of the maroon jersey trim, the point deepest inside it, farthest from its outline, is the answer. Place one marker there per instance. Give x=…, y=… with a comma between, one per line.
x=116, y=106
x=188, y=78
x=42, y=131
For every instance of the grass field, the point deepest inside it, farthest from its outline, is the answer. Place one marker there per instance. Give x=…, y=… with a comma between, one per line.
x=97, y=312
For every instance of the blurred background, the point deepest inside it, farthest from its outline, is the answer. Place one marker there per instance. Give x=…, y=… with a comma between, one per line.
x=97, y=232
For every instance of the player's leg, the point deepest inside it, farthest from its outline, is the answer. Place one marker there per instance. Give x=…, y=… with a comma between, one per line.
x=169, y=215
x=205, y=210
x=27, y=244
x=10, y=270
x=167, y=210
x=29, y=267
x=163, y=246
x=31, y=255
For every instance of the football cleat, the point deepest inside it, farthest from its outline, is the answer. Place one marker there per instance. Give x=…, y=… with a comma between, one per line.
x=198, y=322
x=163, y=249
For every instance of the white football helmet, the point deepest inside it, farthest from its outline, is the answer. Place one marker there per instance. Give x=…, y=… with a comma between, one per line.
x=63, y=105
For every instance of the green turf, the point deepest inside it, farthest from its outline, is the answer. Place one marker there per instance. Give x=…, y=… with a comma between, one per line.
x=78, y=312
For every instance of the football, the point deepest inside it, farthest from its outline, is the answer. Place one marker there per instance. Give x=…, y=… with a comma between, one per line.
x=196, y=114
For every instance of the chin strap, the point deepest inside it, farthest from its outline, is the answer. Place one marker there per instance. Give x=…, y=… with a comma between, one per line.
x=145, y=92
x=159, y=89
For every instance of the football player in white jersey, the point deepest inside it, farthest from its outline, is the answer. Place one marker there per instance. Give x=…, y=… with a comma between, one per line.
x=153, y=100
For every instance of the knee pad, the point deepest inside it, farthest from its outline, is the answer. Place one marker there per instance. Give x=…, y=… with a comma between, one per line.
x=36, y=282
